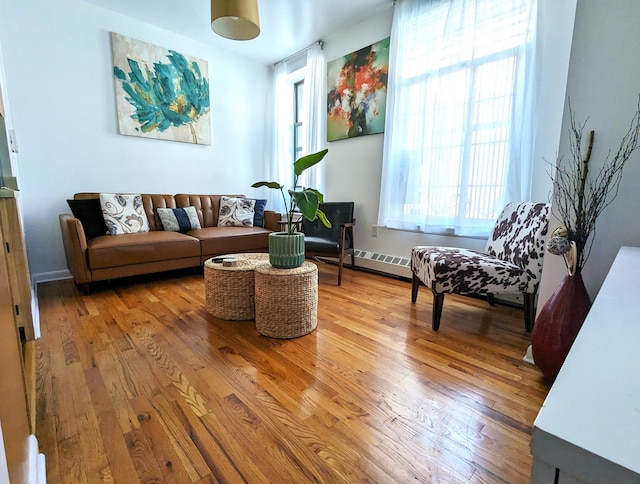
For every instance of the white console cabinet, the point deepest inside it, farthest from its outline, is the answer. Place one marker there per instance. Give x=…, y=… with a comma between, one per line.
x=588, y=429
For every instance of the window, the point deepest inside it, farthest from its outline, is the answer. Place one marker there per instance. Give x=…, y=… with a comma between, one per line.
x=458, y=135
x=298, y=91
x=299, y=116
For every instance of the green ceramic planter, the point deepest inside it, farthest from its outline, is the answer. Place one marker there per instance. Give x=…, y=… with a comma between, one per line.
x=286, y=251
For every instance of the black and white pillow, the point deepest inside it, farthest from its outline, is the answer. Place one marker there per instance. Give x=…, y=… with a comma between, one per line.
x=123, y=213
x=236, y=212
x=179, y=219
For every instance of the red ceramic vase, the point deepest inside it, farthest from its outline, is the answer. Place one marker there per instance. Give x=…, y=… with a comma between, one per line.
x=558, y=324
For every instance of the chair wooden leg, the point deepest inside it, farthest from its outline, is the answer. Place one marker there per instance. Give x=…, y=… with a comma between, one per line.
x=438, y=301
x=415, y=285
x=491, y=299
x=529, y=310
x=340, y=262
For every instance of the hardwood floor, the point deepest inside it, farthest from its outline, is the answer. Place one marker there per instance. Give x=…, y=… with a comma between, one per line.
x=138, y=383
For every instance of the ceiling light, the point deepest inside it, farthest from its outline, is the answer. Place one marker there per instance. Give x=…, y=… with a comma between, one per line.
x=235, y=19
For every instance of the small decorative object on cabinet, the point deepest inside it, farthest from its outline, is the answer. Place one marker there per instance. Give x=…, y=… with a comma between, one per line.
x=286, y=249
x=578, y=199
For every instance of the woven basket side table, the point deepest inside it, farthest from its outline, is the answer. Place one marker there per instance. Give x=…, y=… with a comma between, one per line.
x=286, y=300
x=229, y=291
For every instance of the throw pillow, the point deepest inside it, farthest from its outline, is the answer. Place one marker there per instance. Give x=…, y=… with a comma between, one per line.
x=237, y=212
x=123, y=213
x=179, y=219
x=89, y=212
x=258, y=213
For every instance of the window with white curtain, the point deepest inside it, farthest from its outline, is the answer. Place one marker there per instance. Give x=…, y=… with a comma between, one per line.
x=299, y=122
x=459, y=133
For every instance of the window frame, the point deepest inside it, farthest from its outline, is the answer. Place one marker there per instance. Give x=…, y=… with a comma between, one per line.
x=298, y=93
x=467, y=145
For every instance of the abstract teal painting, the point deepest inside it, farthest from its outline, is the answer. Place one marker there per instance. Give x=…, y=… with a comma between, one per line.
x=160, y=93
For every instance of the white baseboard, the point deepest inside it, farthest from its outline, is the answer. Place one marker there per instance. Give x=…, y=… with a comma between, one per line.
x=35, y=280
x=4, y=468
x=49, y=276
x=37, y=470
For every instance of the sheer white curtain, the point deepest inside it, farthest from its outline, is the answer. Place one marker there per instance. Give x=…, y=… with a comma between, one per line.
x=314, y=113
x=282, y=171
x=459, y=128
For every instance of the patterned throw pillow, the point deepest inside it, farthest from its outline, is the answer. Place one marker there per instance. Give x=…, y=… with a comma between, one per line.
x=236, y=212
x=123, y=213
x=179, y=219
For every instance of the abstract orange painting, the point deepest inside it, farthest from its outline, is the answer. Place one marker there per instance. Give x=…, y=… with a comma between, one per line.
x=357, y=92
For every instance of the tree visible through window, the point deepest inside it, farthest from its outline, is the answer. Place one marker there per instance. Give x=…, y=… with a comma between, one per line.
x=459, y=126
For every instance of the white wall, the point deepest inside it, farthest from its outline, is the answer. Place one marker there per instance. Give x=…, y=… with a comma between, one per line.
x=554, y=59
x=603, y=85
x=58, y=67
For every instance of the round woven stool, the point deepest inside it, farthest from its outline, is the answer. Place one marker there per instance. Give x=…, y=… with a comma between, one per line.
x=229, y=291
x=286, y=300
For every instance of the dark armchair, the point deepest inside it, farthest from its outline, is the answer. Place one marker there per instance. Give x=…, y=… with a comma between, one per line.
x=337, y=241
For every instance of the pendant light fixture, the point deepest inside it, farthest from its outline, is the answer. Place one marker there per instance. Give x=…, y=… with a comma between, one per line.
x=235, y=19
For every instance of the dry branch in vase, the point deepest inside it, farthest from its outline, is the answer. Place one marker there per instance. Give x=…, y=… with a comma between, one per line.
x=579, y=197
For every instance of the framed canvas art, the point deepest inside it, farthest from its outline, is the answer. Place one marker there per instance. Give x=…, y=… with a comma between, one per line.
x=357, y=92
x=160, y=93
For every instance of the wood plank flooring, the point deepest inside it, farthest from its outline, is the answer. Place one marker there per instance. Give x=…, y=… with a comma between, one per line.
x=138, y=383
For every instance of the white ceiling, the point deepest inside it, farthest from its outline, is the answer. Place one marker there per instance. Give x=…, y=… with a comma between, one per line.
x=287, y=26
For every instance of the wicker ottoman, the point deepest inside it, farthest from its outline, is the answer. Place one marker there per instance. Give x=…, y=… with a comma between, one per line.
x=229, y=290
x=286, y=300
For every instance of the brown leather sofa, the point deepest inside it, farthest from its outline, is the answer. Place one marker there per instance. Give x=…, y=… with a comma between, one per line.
x=113, y=256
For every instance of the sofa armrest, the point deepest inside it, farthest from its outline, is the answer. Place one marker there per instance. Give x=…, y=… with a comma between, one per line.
x=271, y=220
x=75, y=248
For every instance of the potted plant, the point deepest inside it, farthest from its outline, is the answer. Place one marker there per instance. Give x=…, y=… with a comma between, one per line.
x=286, y=249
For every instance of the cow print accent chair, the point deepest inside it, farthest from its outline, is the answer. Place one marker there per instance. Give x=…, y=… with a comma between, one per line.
x=511, y=262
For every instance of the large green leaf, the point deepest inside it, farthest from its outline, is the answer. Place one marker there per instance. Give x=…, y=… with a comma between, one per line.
x=274, y=185
x=323, y=218
x=318, y=194
x=308, y=161
x=307, y=203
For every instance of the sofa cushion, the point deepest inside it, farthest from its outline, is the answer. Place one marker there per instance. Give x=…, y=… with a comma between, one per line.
x=151, y=204
x=321, y=244
x=227, y=240
x=89, y=212
x=140, y=248
x=123, y=213
x=236, y=212
x=179, y=219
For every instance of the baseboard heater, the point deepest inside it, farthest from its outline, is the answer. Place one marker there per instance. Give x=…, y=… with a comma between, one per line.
x=389, y=265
